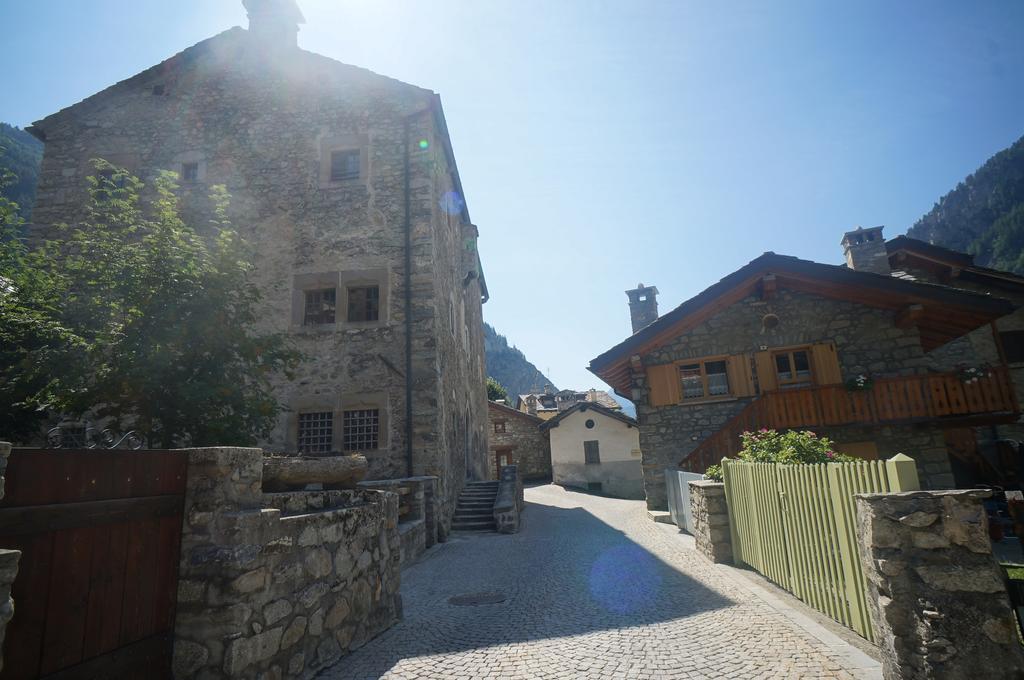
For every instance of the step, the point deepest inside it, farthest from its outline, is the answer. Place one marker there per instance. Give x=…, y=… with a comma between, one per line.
x=486, y=515
x=474, y=526
x=472, y=505
x=477, y=485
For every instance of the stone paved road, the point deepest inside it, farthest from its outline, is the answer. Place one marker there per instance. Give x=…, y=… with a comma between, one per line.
x=593, y=589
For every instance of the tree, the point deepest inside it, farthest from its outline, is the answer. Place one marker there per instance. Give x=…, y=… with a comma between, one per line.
x=159, y=320
x=495, y=391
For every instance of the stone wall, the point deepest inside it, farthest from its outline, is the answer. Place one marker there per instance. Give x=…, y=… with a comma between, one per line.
x=279, y=585
x=937, y=597
x=711, y=520
x=528, y=447
x=264, y=125
x=8, y=563
x=417, y=528
x=867, y=341
x=509, y=501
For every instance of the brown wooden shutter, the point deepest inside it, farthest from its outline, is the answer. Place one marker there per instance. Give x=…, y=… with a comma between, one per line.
x=767, y=380
x=666, y=387
x=825, y=363
x=741, y=379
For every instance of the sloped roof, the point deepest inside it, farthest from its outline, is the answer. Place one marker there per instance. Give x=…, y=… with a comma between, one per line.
x=948, y=312
x=955, y=260
x=584, y=406
x=504, y=409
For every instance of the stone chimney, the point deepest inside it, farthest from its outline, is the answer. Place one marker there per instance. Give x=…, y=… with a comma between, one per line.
x=865, y=250
x=275, y=22
x=643, y=306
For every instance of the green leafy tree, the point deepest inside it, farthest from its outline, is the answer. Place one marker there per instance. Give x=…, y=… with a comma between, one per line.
x=770, y=446
x=160, y=320
x=495, y=391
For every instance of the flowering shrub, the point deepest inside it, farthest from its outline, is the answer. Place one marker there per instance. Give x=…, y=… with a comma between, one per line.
x=770, y=446
x=860, y=383
x=971, y=374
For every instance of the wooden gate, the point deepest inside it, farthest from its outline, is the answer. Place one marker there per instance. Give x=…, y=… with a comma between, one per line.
x=100, y=534
x=796, y=525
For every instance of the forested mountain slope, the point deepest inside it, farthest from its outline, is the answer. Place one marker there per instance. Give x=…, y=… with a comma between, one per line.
x=20, y=154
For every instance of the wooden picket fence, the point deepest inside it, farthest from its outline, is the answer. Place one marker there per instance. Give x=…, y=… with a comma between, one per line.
x=796, y=525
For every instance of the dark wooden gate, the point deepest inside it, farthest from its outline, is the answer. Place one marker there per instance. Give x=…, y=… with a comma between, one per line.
x=100, y=533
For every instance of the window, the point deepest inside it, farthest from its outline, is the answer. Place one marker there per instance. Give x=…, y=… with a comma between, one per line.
x=793, y=367
x=345, y=165
x=591, y=453
x=363, y=303
x=360, y=429
x=499, y=427
x=704, y=379
x=1013, y=345
x=319, y=308
x=589, y=424
x=316, y=432
x=189, y=172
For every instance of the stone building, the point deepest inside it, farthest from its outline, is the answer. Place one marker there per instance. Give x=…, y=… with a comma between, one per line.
x=548, y=404
x=597, y=449
x=516, y=438
x=344, y=183
x=880, y=363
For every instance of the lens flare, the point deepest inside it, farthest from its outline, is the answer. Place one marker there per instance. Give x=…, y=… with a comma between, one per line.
x=625, y=579
x=452, y=203
x=424, y=144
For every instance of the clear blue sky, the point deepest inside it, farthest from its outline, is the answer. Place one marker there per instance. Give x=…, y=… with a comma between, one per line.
x=606, y=143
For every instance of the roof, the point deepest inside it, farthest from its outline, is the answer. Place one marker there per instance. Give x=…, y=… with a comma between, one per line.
x=958, y=263
x=947, y=312
x=508, y=410
x=588, y=406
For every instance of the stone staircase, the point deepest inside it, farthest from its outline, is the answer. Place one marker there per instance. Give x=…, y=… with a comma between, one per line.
x=475, y=511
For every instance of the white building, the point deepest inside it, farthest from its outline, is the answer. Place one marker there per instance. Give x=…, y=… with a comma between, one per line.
x=597, y=449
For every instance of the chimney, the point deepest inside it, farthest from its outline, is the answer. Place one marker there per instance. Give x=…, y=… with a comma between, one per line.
x=643, y=306
x=275, y=22
x=865, y=250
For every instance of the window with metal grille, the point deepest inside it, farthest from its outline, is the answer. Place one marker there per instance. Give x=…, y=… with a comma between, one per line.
x=360, y=429
x=591, y=453
x=189, y=172
x=316, y=432
x=364, y=303
x=345, y=165
x=319, y=308
x=1013, y=345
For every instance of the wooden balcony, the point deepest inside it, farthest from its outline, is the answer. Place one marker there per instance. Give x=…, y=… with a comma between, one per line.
x=942, y=397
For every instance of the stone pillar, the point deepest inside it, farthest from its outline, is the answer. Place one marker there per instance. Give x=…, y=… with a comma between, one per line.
x=8, y=562
x=711, y=520
x=937, y=597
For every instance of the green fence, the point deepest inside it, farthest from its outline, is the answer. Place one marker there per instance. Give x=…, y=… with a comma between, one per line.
x=796, y=524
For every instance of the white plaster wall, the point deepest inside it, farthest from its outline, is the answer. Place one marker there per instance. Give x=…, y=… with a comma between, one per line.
x=620, y=471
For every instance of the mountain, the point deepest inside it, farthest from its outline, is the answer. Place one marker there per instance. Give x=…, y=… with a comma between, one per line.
x=20, y=154
x=509, y=367
x=984, y=214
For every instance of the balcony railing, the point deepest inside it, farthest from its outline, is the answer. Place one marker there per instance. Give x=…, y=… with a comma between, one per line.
x=905, y=399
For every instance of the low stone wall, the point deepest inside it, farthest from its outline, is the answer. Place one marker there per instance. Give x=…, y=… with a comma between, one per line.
x=8, y=562
x=509, y=503
x=279, y=585
x=417, y=529
x=711, y=520
x=937, y=597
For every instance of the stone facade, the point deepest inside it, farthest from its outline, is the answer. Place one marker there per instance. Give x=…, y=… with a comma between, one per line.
x=937, y=597
x=8, y=563
x=263, y=119
x=509, y=501
x=518, y=436
x=417, y=528
x=279, y=585
x=711, y=520
x=867, y=341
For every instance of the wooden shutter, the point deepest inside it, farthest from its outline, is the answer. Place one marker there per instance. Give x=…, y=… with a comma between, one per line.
x=767, y=380
x=666, y=387
x=825, y=364
x=741, y=379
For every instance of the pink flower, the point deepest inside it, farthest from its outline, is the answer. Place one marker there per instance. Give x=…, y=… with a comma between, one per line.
x=830, y=454
x=763, y=430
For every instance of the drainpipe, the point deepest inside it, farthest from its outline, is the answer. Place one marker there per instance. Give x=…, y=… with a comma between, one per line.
x=407, y=228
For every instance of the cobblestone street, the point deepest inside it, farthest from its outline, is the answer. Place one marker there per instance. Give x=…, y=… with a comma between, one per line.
x=592, y=589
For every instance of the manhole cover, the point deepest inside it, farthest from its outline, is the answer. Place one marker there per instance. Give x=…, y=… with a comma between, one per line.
x=471, y=599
